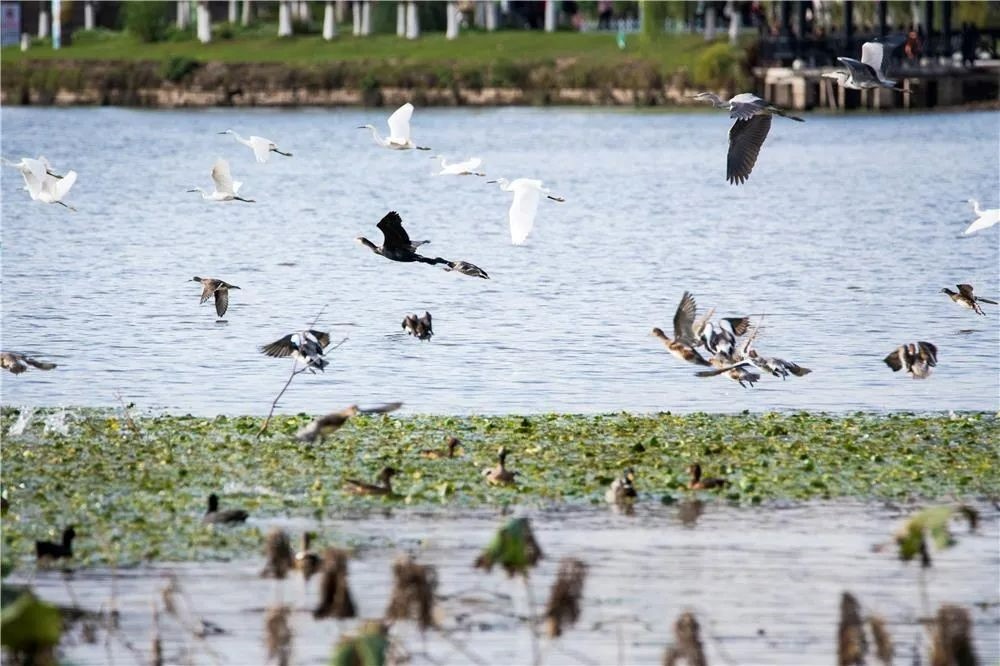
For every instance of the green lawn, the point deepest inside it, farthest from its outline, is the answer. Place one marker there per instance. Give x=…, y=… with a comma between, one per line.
x=668, y=52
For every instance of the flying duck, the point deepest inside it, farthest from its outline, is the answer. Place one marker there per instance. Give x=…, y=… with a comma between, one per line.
x=18, y=363
x=722, y=340
x=967, y=299
x=214, y=516
x=739, y=372
x=382, y=487
x=305, y=347
x=218, y=288
x=917, y=358
x=777, y=366
x=465, y=268
x=418, y=327
x=698, y=483
x=396, y=243
x=324, y=426
x=500, y=475
x=684, y=342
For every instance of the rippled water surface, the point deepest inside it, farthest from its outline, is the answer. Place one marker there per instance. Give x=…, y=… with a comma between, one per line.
x=765, y=585
x=842, y=239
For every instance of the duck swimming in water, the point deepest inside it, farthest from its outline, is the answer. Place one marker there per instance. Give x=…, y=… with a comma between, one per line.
x=383, y=486
x=419, y=327
x=396, y=243
x=306, y=347
x=500, y=475
x=916, y=358
x=434, y=454
x=217, y=288
x=50, y=550
x=622, y=489
x=215, y=516
x=967, y=299
x=682, y=346
x=699, y=483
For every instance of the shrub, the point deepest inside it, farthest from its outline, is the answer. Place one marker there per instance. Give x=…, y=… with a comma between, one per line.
x=148, y=21
x=720, y=66
x=177, y=67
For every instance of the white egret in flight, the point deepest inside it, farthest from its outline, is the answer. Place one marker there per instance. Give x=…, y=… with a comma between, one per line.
x=467, y=168
x=985, y=218
x=869, y=72
x=753, y=121
x=42, y=183
x=399, y=130
x=226, y=189
x=527, y=193
x=261, y=147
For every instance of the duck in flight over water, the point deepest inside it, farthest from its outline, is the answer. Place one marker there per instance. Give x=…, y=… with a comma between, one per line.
x=219, y=289
x=396, y=243
x=683, y=344
x=967, y=299
x=305, y=347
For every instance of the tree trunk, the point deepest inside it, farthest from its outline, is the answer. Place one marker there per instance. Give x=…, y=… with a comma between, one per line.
x=232, y=12
x=412, y=21
x=356, y=17
x=88, y=15
x=245, y=18
x=366, y=18
x=734, y=23
x=183, y=14
x=452, y=10
x=491, y=15
x=329, y=21
x=204, y=22
x=43, y=22
x=710, y=24
x=401, y=19
x=550, y=16
x=305, y=13
x=284, y=19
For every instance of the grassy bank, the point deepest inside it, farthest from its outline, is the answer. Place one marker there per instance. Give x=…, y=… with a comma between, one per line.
x=138, y=493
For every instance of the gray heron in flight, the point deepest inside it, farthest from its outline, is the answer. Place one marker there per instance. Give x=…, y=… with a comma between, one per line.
x=869, y=72
x=753, y=121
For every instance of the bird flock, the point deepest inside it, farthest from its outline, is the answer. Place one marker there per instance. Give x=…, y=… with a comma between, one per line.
x=728, y=344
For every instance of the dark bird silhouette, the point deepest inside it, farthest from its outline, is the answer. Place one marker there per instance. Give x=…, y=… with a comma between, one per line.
x=306, y=347
x=419, y=327
x=967, y=299
x=219, y=289
x=56, y=551
x=699, y=483
x=396, y=243
x=214, y=516
x=18, y=363
x=916, y=358
x=383, y=487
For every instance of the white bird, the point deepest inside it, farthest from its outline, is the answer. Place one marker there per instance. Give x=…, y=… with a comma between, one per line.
x=261, y=147
x=527, y=193
x=985, y=218
x=226, y=189
x=399, y=130
x=466, y=168
x=869, y=72
x=753, y=122
x=42, y=183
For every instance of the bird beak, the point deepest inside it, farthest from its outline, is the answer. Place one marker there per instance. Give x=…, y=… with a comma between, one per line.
x=192, y=190
x=362, y=127
x=220, y=132
x=492, y=181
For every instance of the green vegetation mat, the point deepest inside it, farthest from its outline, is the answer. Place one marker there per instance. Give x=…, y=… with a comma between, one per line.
x=136, y=491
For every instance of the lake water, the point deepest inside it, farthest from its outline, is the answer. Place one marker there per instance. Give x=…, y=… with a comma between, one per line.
x=843, y=237
x=764, y=583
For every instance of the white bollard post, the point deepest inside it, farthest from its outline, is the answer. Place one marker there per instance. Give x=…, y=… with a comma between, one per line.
x=401, y=19
x=88, y=15
x=550, y=16
x=245, y=18
x=182, y=14
x=491, y=15
x=233, y=12
x=25, y=41
x=43, y=21
x=366, y=18
x=204, y=22
x=329, y=21
x=284, y=19
x=356, y=16
x=452, y=9
x=412, y=21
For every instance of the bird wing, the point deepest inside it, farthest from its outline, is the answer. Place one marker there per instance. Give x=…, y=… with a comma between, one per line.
x=381, y=409
x=743, y=111
x=221, y=301
x=280, y=348
x=34, y=174
x=929, y=351
x=322, y=338
x=222, y=177
x=718, y=371
x=738, y=325
x=391, y=226
x=399, y=124
x=684, y=319
x=261, y=148
x=745, y=140
x=470, y=164
x=966, y=290
x=859, y=70
x=522, y=211
x=873, y=55
x=984, y=222
x=895, y=359
x=208, y=288
x=60, y=186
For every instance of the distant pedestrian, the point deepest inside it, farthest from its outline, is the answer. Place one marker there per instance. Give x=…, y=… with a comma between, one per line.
x=912, y=46
x=970, y=39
